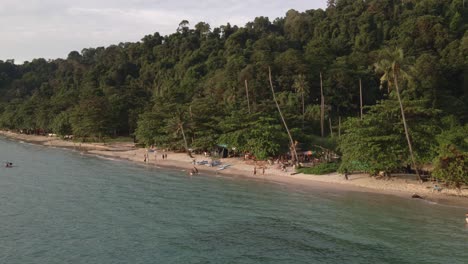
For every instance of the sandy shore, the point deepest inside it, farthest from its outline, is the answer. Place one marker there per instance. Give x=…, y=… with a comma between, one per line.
x=401, y=185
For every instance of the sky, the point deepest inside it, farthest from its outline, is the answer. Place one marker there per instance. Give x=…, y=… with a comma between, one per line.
x=50, y=29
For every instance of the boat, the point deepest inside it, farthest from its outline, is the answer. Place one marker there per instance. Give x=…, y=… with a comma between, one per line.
x=223, y=167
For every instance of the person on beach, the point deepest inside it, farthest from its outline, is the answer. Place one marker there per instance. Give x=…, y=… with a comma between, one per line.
x=346, y=174
x=193, y=171
x=255, y=170
x=144, y=158
x=263, y=170
x=283, y=167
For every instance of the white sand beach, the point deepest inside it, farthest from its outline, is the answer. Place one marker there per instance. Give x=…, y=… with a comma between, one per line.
x=400, y=185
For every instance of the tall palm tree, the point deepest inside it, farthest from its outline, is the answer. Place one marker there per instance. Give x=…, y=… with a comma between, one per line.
x=247, y=93
x=360, y=96
x=293, y=144
x=391, y=67
x=300, y=84
x=322, y=107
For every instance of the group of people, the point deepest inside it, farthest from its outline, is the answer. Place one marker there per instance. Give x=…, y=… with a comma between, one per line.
x=146, y=157
x=255, y=170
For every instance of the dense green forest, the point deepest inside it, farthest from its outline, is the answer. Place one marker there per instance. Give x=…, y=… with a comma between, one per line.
x=211, y=86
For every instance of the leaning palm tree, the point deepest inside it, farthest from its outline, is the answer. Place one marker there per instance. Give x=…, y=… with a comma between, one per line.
x=390, y=66
x=176, y=125
x=293, y=144
x=300, y=84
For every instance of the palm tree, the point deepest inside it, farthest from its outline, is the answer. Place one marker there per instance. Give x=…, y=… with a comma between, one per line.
x=247, y=93
x=300, y=84
x=391, y=68
x=360, y=96
x=293, y=144
x=176, y=124
x=322, y=107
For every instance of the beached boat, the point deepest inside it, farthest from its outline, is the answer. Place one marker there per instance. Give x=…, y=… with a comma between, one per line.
x=222, y=167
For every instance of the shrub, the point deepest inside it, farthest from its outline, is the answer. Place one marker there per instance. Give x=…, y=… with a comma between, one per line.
x=321, y=169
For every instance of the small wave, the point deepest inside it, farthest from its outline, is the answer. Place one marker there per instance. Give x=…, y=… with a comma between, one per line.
x=430, y=202
x=99, y=156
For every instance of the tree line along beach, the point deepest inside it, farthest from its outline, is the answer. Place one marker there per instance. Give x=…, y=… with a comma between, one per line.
x=356, y=89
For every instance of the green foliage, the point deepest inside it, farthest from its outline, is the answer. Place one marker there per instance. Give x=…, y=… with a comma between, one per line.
x=451, y=164
x=321, y=169
x=377, y=143
x=89, y=118
x=61, y=124
x=150, y=126
x=262, y=136
x=193, y=80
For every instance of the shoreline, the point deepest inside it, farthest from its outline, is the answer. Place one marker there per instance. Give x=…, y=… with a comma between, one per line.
x=402, y=186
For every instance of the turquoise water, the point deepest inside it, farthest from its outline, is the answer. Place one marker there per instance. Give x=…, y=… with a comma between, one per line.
x=58, y=206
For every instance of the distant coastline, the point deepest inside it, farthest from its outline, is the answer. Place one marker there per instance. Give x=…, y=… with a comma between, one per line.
x=403, y=187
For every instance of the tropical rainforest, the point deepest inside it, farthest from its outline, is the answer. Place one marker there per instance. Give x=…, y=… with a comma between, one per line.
x=383, y=83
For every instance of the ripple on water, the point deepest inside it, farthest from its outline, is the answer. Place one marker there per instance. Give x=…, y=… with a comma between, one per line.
x=61, y=207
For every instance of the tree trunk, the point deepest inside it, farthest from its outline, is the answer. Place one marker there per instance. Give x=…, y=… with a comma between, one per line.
x=397, y=89
x=303, y=108
x=247, y=93
x=293, y=146
x=339, y=126
x=360, y=95
x=185, y=139
x=322, y=106
x=331, y=129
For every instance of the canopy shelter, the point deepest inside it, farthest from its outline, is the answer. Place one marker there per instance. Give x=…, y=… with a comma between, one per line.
x=221, y=150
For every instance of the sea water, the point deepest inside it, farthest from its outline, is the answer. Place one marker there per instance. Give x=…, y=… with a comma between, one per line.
x=60, y=206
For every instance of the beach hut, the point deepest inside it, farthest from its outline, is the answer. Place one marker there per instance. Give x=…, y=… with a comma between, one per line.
x=221, y=150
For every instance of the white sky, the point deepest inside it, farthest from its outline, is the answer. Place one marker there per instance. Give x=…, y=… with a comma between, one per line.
x=52, y=28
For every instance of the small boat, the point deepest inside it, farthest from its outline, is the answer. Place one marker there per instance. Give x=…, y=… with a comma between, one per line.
x=8, y=164
x=223, y=167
